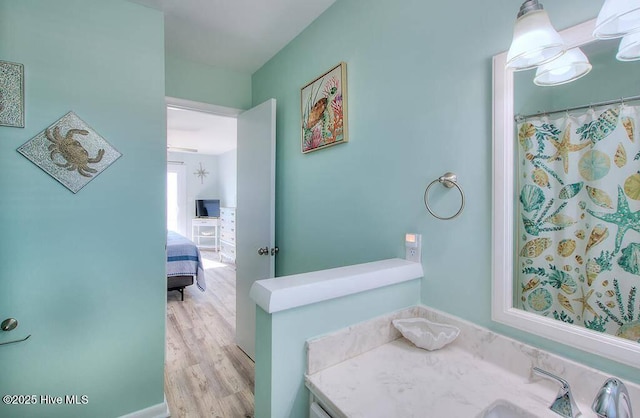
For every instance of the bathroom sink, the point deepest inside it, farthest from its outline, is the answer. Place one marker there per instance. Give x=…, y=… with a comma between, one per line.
x=504, y=409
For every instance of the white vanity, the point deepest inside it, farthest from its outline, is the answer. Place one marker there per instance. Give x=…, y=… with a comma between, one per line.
x=369, y=370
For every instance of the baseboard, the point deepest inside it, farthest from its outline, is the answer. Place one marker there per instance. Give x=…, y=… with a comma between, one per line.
x=160, y=410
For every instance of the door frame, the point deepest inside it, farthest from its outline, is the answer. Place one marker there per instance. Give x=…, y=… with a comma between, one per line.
x=177, y=103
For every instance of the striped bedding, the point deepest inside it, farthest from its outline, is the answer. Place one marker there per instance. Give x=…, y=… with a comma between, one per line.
x=183, y=259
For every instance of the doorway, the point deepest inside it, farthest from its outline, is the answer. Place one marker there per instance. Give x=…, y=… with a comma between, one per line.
x=206, y=374
x=235, y=316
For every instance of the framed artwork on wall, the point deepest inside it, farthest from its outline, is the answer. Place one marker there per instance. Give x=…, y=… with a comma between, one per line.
x=11, y=94
x=324, y=110
x=70, y=151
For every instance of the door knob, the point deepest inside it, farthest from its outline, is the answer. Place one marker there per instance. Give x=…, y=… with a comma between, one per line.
x=275, y=250
x=9, y=324
x=263, y=251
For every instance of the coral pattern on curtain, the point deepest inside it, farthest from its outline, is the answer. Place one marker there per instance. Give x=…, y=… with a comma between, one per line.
x=578, y=190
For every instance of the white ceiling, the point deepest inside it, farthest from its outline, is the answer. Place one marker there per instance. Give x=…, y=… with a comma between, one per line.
x=239, y=35
x=205, y=132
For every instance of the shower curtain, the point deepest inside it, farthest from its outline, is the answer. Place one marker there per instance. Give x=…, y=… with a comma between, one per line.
x=578, y=216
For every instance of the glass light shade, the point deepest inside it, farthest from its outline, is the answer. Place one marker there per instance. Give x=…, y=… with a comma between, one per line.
x=617, y=18
x=565, y=69
x=535, y=42
x=629, y=49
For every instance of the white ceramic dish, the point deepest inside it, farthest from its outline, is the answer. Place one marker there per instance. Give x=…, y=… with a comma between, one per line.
x=426, y=334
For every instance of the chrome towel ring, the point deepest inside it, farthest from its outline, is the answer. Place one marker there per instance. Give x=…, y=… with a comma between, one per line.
x=448, y=180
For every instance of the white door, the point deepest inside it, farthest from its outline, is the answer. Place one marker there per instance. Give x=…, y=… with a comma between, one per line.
x=255, y=213
x=177, y=199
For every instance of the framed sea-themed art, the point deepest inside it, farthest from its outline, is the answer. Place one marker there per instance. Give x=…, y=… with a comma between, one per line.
x=324, y=110
x=11, y=94
x=70, y=151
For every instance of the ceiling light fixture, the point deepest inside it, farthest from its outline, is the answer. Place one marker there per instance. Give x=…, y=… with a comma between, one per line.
x=629, y=49
x=535, y=41
x=617, y=18
x=569, y=67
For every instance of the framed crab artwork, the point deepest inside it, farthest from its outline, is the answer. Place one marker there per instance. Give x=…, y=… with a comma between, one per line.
x=70, y=152
x=324, y=110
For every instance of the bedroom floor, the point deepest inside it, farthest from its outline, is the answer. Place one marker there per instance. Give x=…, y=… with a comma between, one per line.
x=206, y=374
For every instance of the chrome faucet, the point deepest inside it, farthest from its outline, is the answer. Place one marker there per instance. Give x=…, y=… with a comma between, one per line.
x=612, y=400
x=564, y=404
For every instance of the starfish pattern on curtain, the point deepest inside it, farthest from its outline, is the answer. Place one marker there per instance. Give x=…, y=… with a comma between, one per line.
x=578, y=185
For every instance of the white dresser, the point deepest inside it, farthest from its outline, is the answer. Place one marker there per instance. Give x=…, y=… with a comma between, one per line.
x=228, y=234
x=204, y=233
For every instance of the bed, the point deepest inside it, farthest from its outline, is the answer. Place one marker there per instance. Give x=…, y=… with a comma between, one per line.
x=183, y=264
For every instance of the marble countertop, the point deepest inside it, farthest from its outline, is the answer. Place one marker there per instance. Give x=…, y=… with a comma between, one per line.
x=369, y=370
x=398, y=379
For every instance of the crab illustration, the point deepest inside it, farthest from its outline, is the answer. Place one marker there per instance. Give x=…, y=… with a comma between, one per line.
x=75, y=155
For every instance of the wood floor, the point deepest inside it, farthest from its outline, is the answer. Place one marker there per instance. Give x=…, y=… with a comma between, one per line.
x=206, y=374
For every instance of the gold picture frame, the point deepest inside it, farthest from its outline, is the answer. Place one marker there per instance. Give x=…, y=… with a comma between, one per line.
x=323, y=105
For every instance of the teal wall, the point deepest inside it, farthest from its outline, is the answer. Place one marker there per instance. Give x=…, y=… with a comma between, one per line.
x=420, y=104
x=528, y=97
x=190, y=80
x=281, y=355
x=85, y=273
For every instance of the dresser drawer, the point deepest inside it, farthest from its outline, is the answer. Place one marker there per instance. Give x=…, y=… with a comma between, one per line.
x=228, y=249
x=230, y=228
x=227, y=213
x=204, y=222
x=228, y=236
x=229, y=223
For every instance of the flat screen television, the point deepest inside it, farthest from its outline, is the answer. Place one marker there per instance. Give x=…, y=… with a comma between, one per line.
x=207, y=208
